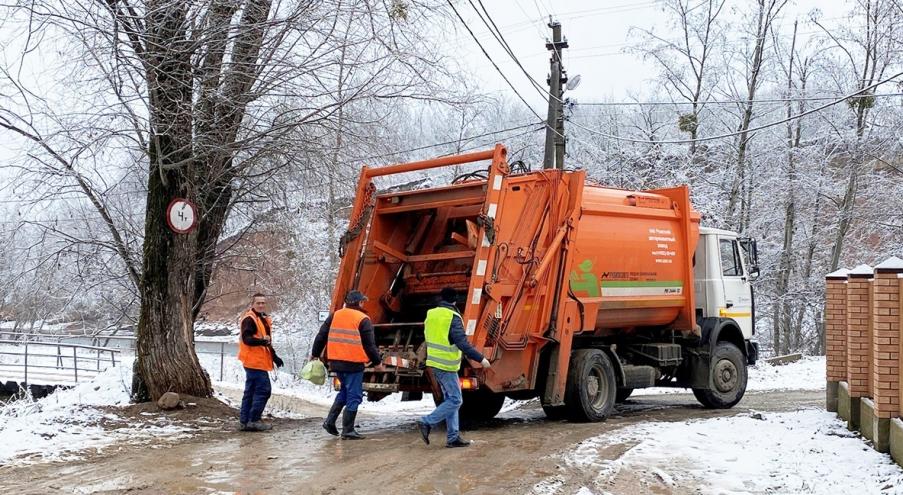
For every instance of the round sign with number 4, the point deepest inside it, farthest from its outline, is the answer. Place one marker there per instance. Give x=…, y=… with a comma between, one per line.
x=181, y=216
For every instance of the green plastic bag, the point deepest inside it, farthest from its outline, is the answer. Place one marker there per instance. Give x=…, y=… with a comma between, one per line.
x=314, y=371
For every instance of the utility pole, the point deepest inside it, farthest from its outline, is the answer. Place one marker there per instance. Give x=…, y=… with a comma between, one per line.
x=554, y=149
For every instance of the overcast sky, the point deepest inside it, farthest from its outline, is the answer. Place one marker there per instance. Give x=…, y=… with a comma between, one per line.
x=597, y=31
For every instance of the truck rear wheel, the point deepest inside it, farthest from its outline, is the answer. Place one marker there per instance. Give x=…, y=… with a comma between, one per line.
x=591, y=387
x=480, y=405
x=727, y=378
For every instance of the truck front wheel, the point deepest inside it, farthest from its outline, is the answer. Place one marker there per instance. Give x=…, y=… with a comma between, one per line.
x=591, y=387
x=727, y=380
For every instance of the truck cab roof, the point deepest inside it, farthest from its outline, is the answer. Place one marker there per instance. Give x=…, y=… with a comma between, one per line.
x=714, y=231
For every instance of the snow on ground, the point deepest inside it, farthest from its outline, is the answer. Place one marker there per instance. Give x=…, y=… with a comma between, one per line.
x=54, y=427
x=806, y=374
x=801, y=452
x=51, y=427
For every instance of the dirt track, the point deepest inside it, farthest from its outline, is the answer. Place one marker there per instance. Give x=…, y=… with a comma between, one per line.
x=509, y=456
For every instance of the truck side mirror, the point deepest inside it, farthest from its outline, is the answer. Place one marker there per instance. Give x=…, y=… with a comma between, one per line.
x=752, y=256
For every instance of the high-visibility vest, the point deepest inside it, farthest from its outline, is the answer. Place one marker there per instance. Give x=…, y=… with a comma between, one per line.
x=255, y=357
x=440, y=353
x=344, y=342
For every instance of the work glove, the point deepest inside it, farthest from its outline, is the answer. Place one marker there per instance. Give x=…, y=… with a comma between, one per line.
x=278, y=361
x=485, y=363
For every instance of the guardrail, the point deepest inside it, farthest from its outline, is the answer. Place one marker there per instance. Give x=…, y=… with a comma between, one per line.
x=41, y=339
x=65, y=354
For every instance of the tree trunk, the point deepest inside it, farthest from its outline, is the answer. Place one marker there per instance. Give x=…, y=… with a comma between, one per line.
x=743, y=178
x=190, y=157
x=165, y=357
x=782, y=307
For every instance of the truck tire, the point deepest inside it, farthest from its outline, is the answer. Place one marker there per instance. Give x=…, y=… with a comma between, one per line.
x=591, y=388
x=727, y=378
x=480, y=405
x=623, y=394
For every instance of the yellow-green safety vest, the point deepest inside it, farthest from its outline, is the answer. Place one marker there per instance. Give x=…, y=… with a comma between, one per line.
x=440, y=353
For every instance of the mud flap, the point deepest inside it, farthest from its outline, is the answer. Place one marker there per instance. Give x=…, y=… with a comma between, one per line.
x=556, y=381
x=696, y=368
x=551, y=396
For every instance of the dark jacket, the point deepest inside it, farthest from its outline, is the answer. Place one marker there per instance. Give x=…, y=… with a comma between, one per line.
x=368, y=340
x=249, y=329
x=457, y=336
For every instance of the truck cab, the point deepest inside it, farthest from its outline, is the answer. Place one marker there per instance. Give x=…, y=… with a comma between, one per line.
x=725, y=266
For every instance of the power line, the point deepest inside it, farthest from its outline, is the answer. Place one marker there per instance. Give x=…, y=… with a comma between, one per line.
x=733, y=102
x=737, y=133
x=501, y=73
x=497, y=33
x=446, y=143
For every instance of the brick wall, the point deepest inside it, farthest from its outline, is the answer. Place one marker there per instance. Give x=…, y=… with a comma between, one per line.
x=836, y=327
x=858, y=334
x=886, y=342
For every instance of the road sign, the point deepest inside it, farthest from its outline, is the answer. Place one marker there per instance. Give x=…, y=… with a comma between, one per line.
x=181, y=216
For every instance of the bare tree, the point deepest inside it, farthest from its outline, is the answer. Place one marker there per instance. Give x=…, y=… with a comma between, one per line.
x=685, y=59
x=867, y=51
x=212, y=92
x=765, y=14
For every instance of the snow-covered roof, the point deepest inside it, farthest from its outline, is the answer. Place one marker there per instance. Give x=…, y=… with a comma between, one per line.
x=861, y=270
x=841, y=273
x=892, y=263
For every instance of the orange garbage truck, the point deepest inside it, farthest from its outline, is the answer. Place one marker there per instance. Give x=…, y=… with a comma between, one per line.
x=578, y=294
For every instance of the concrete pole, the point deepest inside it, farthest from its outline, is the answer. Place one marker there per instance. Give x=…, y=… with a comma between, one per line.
x=555, y=142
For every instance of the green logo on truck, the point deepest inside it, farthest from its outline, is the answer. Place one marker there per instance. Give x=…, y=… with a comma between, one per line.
x=583, y=280
x=586, y=281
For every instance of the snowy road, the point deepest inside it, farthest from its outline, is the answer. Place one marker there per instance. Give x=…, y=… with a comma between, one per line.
x=520, y=452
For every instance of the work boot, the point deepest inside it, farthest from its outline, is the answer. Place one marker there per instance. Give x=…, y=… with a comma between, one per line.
x=242, y=426
x=458, y=442
x=258, y=426
x=329, y=424
x=424, y=431
x=348, y=432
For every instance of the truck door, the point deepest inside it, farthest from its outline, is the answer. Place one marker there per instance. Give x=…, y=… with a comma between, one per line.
x=737, y=294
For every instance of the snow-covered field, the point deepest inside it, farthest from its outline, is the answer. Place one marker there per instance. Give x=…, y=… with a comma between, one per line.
x=807, y=451
x=69, y=423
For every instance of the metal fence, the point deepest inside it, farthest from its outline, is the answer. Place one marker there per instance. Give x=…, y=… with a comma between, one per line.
x=55, y=361
x=99, y=344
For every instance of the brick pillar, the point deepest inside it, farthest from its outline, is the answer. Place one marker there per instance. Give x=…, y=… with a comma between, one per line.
x=886, y=340
x=858, y=333
x=835, y=335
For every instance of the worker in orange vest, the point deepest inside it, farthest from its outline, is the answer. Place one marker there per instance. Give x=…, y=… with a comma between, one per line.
x=255, y=351
x=348, y=339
